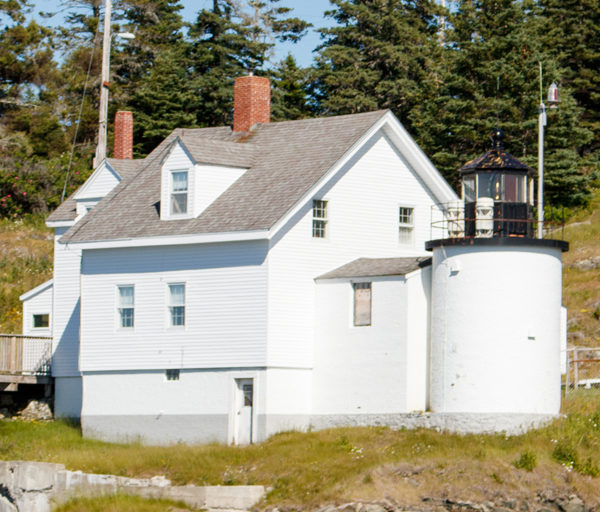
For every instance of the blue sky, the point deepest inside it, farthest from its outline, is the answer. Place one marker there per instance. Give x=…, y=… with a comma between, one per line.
x=309, y=10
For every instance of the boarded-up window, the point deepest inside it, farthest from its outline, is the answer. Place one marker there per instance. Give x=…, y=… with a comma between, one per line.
x=362, y=304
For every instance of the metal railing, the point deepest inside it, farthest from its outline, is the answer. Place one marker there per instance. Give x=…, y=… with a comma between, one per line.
x=583, y=368
x=25, y=355
x=449, y=222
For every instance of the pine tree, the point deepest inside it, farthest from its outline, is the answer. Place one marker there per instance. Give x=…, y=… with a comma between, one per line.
x=488, y=77
x=163, y=102
x=377, y=56
x=569, y=29
x=289, y=91
x=226, y=43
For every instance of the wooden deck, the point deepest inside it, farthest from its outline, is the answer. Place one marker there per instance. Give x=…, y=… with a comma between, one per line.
x=24, y=360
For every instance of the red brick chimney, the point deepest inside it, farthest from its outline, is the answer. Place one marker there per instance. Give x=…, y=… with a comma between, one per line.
x=251, y=102
x=123, y=135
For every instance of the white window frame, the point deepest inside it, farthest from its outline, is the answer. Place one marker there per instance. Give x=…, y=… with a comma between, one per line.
x=173, y=192
x=320, y=218
x=121, y=307
x=170, y=305
x=406, y=228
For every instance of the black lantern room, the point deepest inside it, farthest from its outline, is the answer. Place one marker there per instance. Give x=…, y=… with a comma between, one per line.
x=497, y=175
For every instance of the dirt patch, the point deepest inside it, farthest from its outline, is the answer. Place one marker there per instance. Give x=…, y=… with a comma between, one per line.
x=483, y=485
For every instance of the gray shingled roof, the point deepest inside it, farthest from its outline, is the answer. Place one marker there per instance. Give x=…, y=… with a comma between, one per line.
x=218, y=152
x=371, y=267
x=68, y=209
x=288, y=159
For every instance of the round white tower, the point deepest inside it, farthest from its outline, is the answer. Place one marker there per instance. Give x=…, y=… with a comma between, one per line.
x=496, y=305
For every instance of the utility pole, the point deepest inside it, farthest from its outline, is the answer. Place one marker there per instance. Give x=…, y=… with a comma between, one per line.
x=101, y=147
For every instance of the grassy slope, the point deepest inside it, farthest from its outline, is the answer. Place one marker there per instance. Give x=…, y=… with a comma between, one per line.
x=27, y=252
x=121, y=503
x=350, y=463
x=581, y=288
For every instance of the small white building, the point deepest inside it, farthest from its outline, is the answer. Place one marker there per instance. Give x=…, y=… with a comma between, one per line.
x=237, y=283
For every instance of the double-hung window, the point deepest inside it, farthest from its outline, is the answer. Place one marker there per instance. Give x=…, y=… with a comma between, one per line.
x=179, y=192
x=319, y=223
x=177, y=305
x=126, y=305
x=406, y=224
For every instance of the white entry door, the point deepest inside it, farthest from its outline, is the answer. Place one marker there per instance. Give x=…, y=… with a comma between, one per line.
x=243, y=413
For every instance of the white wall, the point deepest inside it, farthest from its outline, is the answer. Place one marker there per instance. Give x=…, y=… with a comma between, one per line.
x=39, y=304
x=225, y=313
x=363, y=222
x=360, y=370
x=210, y=182
x=139, y=401
x=495, y=330
x=418, y=305
x=100, y=183
x=65, y=321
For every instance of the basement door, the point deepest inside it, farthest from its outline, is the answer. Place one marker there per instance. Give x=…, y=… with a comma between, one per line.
x=243, y=410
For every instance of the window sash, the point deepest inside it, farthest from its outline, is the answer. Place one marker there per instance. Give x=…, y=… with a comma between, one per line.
x=126, y=306
x=41, y=321
x=405, y=216
x=179, y=192
x=319, y=223
x=179, y=181
x=177, y=304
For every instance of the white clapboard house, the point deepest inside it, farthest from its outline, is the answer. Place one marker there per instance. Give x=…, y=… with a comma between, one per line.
x=238, y=282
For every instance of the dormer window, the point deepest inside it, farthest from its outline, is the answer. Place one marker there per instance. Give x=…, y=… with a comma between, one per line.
x=179, y=192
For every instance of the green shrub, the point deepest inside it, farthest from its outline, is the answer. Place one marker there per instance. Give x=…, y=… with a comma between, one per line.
x=566, y=454
x=527, y=461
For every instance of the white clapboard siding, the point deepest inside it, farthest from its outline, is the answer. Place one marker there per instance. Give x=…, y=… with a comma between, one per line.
x=100, y=183
x=38, y=303
x=363, y=204
x=226, y=286
x=177, y=160
x=210, y=182
x=65, y=321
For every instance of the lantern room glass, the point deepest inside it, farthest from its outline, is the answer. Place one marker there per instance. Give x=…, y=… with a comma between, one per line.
x=501, y=187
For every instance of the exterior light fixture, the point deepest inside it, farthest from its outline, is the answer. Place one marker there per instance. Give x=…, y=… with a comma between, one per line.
x=552, y=103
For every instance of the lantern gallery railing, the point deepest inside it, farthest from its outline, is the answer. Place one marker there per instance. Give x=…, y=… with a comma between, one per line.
x=25, y=355
x=486, y=218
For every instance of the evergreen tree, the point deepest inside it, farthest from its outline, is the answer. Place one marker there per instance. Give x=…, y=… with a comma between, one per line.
x=377, y=56
x=163, y=102
x=489, y=76
x=227, y=43
x=569, y=29
x=289, y=91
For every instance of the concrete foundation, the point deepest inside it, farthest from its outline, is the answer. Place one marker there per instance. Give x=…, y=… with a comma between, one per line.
x=34, y=486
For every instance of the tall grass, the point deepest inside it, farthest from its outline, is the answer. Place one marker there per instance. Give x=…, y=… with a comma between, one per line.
x=27, y=259
x=120, y=503
x=314, y=467
x=581, y=288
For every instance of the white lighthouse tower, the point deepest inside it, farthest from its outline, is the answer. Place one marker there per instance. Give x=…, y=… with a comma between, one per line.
x=496, y=304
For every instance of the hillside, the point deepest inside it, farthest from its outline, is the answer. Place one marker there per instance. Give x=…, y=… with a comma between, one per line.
x=27, y=253
x=581, y=276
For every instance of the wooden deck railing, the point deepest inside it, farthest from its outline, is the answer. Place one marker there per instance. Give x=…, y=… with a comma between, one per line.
x=25, y=355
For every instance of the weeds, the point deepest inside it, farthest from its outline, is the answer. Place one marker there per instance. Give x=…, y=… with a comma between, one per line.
x=315, y=467
x=527, y=461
